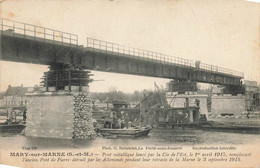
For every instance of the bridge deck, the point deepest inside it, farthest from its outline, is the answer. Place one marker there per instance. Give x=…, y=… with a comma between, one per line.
x=29, y=43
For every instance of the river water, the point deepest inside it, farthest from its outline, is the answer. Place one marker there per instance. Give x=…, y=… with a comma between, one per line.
x=157, y=137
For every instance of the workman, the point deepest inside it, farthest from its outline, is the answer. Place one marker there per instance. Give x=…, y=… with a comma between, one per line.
x=107, y=123
x=197, y=102
x=115, y=122
x=197, y=64
x=126, y=120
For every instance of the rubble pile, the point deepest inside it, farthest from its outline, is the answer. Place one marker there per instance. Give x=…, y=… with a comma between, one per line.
x=83, y=123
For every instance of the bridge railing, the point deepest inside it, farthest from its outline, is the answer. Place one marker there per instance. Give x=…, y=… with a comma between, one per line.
x=217, y=69
x=37, y=31
x=144, y=54
x=138, y=53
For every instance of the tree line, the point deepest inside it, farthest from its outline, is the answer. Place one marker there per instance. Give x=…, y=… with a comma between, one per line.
x=115, y=95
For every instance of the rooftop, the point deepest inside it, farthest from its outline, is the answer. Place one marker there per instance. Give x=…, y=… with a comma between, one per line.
x=16, y=91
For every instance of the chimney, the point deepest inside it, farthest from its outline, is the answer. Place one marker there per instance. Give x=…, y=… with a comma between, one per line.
x=9, y=86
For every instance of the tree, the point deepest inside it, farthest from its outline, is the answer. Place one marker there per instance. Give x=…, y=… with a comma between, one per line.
x=112, y=94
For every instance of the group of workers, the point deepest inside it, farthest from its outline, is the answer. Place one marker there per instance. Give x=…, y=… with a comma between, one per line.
x=117, y=120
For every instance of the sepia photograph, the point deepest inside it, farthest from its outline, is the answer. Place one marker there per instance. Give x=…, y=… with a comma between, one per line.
x=117, y=83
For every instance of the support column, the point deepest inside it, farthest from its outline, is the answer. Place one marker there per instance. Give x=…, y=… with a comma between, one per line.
x=191, y=116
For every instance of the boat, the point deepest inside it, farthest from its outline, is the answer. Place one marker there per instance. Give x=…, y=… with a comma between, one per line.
x=126, y=132
x=12, y=128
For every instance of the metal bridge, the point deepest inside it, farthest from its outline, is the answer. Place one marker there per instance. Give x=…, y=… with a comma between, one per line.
x=21, y=42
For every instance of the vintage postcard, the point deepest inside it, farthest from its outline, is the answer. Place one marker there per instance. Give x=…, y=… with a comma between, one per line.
x=117, y=83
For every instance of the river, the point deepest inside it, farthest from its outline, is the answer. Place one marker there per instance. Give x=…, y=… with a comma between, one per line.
x=157, y=137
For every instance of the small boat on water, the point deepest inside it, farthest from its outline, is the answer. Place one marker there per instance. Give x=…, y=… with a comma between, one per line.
x=127, y=132
x=12, y=128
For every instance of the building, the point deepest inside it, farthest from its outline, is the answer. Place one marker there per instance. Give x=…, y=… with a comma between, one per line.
x=252, y=96
x=13, y=104
x=14, y=96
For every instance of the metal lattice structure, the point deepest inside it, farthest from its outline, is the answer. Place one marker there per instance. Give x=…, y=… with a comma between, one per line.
x=154, y=56
x=28, y=43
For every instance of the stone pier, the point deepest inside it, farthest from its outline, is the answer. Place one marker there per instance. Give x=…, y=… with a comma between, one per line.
x=62, y=109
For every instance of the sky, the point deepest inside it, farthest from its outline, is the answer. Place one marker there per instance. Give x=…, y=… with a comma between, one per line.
x=222, y=33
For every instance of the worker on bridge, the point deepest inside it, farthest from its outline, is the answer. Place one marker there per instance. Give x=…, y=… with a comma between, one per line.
x=197, y=64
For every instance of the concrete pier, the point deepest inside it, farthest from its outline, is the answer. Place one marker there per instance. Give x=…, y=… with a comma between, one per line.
x=53, y=115
x=227, y=104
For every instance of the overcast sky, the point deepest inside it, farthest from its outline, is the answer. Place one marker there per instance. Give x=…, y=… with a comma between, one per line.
x=223, y=33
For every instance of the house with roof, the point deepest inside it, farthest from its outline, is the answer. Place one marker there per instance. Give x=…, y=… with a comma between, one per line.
x=13, y=104
x=14, y=96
